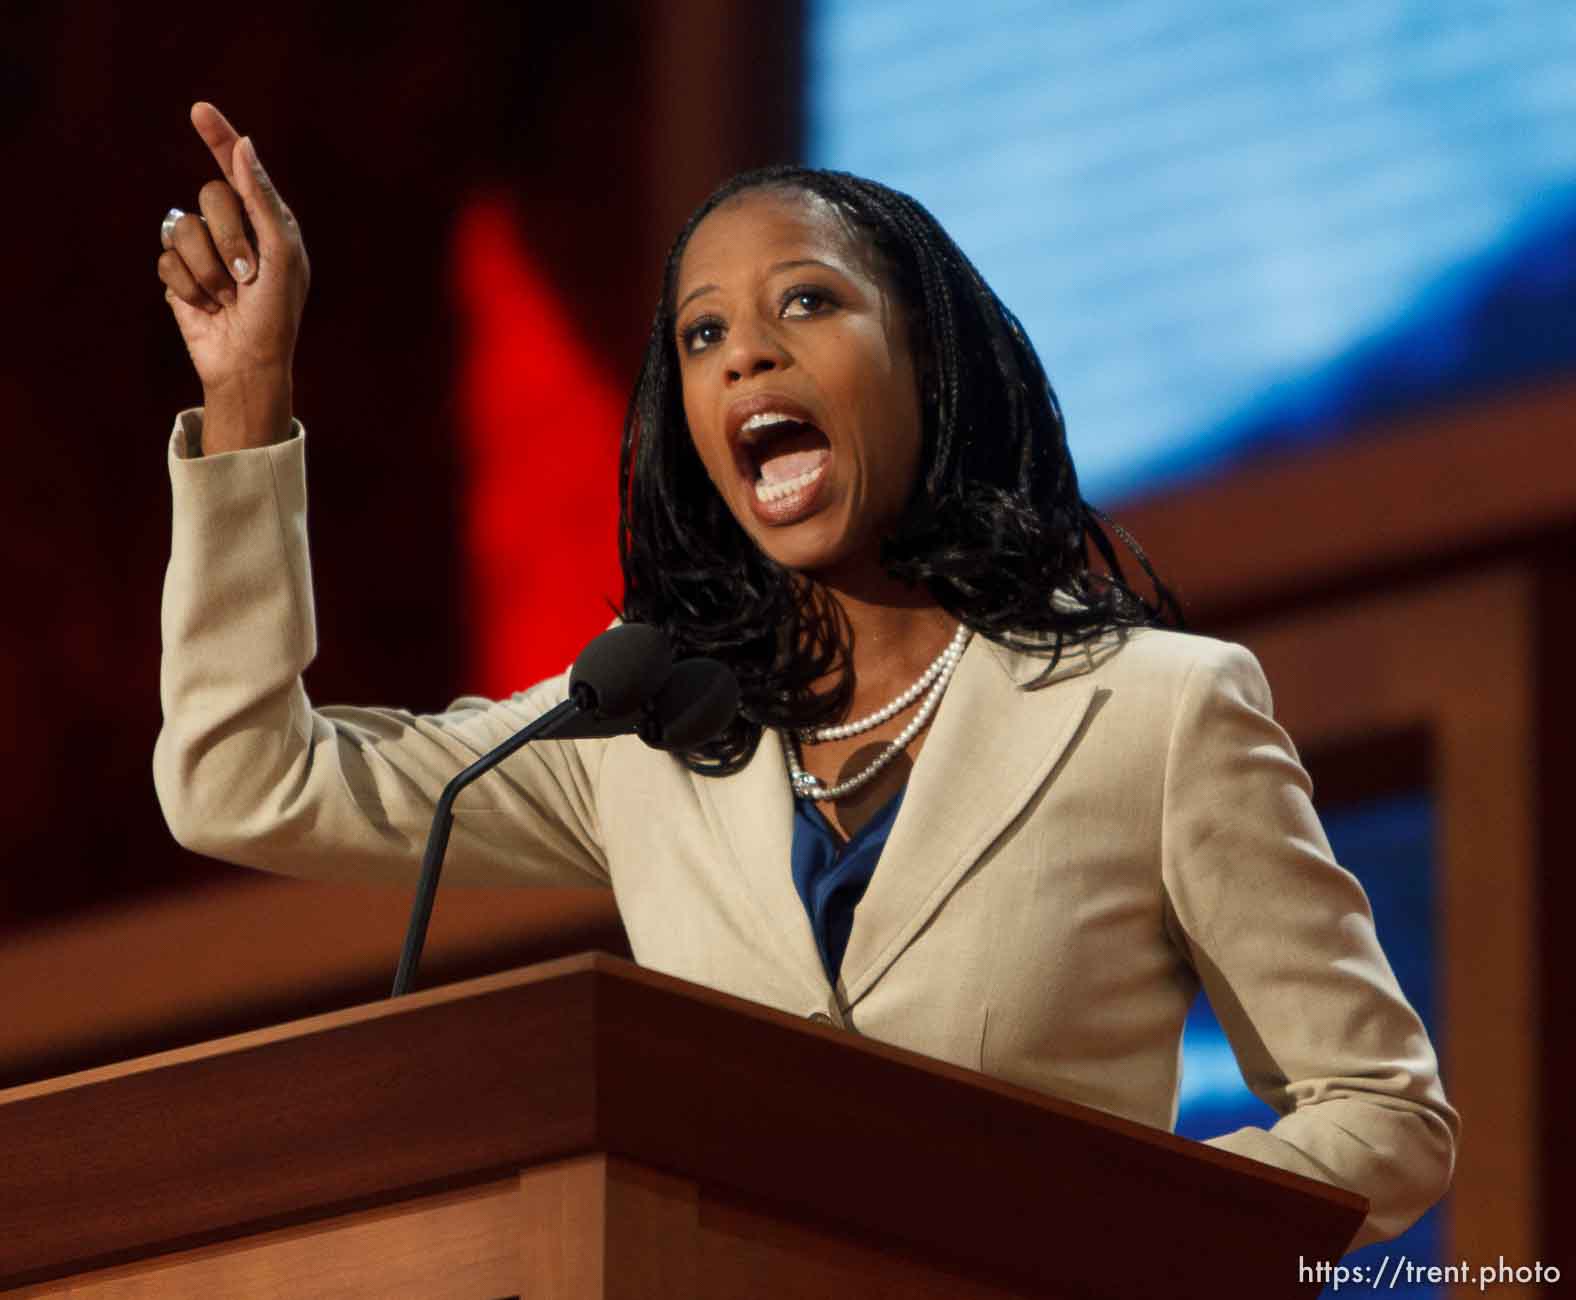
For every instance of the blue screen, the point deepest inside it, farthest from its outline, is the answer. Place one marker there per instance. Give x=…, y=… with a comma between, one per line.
x=1231, y=224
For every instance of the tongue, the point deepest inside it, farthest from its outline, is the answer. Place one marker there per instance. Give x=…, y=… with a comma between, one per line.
x=781, y=466
x=791, y=453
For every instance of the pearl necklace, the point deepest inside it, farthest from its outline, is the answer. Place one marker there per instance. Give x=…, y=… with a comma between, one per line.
x=950, y=655
x=935, y=678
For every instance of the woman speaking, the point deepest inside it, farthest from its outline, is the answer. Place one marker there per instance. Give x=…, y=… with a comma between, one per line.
x=975, y=802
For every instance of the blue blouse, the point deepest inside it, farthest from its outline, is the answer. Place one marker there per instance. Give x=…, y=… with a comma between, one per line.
x=832, y=876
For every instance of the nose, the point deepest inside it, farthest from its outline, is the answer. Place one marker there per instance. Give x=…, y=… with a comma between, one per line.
x=753, y=349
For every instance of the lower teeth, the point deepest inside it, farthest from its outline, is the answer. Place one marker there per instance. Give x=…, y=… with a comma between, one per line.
x=765, y=491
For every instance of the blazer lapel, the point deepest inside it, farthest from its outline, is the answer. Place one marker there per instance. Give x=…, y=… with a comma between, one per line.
x=754, y=809
x=991, y=746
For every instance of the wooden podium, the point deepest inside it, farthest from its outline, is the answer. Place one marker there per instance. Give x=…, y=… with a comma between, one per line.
x=585, y=1128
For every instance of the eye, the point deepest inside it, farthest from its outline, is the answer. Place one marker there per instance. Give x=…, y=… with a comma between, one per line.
x=804, y=301
x=701, y=334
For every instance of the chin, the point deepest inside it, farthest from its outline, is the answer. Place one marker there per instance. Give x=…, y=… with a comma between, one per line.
x=807, y=560
x=819, y=558
x=820, y=546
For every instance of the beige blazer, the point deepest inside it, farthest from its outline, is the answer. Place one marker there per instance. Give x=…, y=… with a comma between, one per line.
x=1069, y=864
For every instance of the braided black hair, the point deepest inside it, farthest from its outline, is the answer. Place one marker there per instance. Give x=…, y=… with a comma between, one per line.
x=994, y=527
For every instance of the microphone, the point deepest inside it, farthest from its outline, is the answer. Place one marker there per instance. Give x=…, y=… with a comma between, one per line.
x=623, y=683
x=614, y=676
x=699, y=699
x=620, y=670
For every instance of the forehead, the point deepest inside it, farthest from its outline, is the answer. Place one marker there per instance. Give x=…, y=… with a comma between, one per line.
x=759, y=228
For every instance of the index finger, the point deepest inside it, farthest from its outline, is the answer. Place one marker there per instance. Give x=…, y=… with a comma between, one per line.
x=218, y=135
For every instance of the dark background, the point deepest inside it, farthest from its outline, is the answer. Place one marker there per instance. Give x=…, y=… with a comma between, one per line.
x=377, y=122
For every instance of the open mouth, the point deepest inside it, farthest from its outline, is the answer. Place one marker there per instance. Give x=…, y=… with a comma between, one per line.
x=783, y=455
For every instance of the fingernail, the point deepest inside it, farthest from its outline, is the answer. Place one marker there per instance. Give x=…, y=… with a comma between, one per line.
x=257, y=163
x=241, y=267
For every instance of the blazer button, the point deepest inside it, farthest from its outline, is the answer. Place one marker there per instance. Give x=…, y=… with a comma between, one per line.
x=820, y=1018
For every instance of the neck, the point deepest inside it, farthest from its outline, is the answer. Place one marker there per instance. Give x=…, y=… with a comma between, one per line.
x=895, y=630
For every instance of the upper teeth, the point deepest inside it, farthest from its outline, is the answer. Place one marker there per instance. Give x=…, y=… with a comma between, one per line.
x=765, y=420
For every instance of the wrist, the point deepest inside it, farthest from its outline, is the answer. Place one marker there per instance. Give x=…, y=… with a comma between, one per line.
x=245, y=413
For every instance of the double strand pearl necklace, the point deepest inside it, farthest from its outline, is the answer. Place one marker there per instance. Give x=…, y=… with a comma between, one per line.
x=932, y=682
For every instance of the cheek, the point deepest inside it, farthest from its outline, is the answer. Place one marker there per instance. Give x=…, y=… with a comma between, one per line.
x=901, y=421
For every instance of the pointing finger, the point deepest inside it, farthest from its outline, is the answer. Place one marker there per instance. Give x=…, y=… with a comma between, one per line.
x=218, y=135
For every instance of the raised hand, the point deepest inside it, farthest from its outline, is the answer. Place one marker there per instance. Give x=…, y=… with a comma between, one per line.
x=238, y=296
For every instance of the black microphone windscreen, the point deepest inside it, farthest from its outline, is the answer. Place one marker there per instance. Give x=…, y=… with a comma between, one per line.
x=621, y=669
x=695, y=705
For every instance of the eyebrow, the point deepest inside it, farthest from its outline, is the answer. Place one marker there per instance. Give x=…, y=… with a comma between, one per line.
x=773, y=270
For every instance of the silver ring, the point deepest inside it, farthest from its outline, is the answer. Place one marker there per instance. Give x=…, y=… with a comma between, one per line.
x=167, y=226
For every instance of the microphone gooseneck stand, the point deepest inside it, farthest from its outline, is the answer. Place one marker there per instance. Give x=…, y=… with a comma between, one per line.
x=615, y=676
x=438, y=836
x=624, y=682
